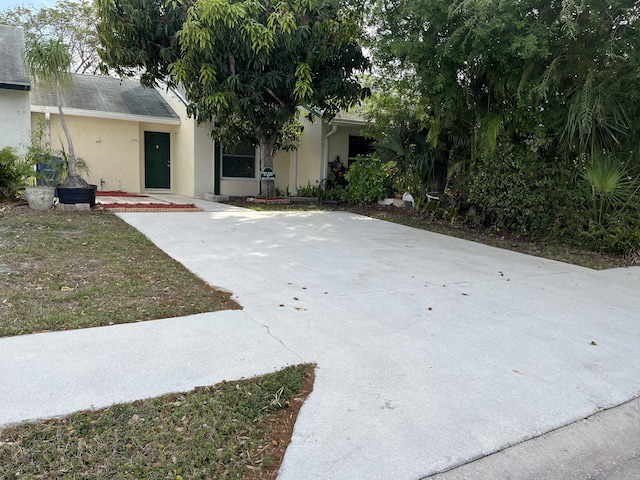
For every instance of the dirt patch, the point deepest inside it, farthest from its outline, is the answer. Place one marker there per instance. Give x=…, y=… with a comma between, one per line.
x=269, y=201
x=280, y=424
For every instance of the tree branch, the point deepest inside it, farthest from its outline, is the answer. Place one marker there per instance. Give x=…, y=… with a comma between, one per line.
x=270, y=92
x=232, y=64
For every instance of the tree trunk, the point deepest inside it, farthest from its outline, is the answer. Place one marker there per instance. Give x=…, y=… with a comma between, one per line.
x=73, y=180
x=267, y=144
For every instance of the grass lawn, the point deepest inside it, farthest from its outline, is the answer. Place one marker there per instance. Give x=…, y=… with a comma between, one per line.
x=234, y=430
x=65, y=270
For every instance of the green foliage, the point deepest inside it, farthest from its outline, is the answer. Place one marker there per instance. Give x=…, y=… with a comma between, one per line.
x=419, y=167
x=614, y=206
x=248, y=64
x=524, y=97
x=449, y=206
x=518, y=189
x=312, y=191
x=48, y=63
x=403, y=135
x=13, y=173
x=251, y=64
x=54, y=163
x=39, y=151
x=370, y=179
x=213, y=432
x=140, y=37
x=393, y=103
x=612, y=189
x=621, y=238
x=596, y=120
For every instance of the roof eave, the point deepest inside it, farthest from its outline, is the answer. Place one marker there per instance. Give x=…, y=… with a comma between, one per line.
x=25, y=87
x=77, y=112
x=345, y=122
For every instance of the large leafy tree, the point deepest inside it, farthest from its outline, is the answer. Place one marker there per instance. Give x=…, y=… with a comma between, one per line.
x=484, y=57
x=248, y=65
x=73, y=22
x=519, y=87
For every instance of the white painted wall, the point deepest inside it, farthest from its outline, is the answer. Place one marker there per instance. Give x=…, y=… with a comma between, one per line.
x=339, y=143
x=15, y=119
x=193, y=152
x=204, y=160
x=311, y=154
x=239, y=188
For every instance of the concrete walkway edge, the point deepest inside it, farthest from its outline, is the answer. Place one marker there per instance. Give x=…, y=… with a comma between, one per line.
x=603, y=446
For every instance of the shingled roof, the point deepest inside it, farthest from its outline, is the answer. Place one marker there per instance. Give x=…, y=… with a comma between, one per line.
x=13, y=74
x=92, y=95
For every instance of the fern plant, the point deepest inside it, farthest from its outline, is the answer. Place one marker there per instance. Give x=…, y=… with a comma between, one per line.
x=13, y=173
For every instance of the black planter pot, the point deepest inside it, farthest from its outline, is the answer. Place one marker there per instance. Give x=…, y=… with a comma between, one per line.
x=70, y=196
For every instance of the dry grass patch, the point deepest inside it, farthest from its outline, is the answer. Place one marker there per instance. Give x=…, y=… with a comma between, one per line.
x=63, y=270
x=228, y=431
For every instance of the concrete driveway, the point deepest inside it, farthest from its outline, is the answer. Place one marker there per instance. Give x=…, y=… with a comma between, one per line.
x=431, y=351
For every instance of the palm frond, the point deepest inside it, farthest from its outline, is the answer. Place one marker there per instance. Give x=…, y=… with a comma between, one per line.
x=596, y=119
x=612, y=187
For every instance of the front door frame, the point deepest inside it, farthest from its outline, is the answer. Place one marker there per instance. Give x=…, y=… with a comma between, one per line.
x=156, y=174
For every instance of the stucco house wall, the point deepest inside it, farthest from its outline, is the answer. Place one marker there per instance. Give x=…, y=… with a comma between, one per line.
x=113, y=149
x=15, y=126
x=196, y=170
x=203, y=161
x=339, y=143
x=241, y=187
x=283, y=165
x=107, y=119
x=110, y=148
x=114, y=152
x=193, y=150
x=320, y=144
x=310, y=155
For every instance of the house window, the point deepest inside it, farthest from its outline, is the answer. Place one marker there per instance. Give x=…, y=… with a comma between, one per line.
x=360, y=146
x=240, y=163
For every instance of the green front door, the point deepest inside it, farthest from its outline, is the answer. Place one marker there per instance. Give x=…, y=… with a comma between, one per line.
x=157, y=160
